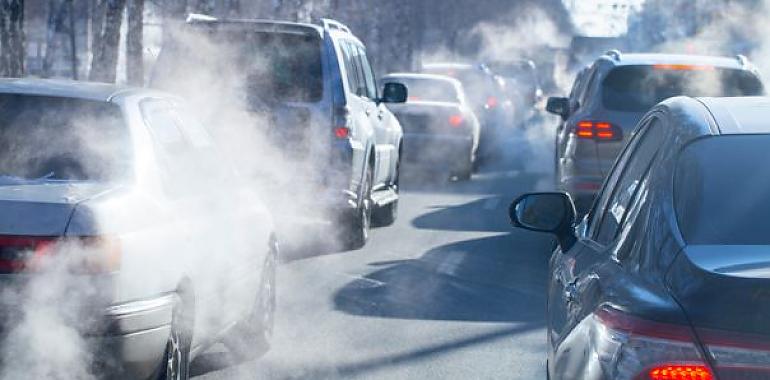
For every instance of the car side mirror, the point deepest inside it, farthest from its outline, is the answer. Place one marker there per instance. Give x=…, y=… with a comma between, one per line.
x=553, y=213
x=558, y=106
x=394, y=93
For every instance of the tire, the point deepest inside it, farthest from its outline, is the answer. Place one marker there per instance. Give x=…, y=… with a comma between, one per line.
x=251, y=338
x=356, y=225
x=176, y=359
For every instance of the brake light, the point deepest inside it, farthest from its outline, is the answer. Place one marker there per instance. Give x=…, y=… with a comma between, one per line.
x=641, y=349
x=341, y=122
x=681, y=67
x=84, y=255
x=681, y=372
x=492, y=102
x=413, y=99
x=341, y=132
x=456, y=121
x=597, y=130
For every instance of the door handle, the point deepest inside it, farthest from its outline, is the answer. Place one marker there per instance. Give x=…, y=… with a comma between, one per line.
x=380, y=114
x=368, y=112
x=571, y=292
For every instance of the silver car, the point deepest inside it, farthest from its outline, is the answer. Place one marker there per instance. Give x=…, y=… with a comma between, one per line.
x=440, y=127
x=119, y=220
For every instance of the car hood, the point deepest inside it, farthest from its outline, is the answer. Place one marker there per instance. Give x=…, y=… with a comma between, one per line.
x=724, y=287
x=43, y=208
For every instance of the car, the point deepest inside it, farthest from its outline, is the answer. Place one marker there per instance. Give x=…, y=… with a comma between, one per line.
x=440, y=128
x=523, y=85
x=615, y=92
x=488, y=96
x=667, y=276
x=120, y=221
x=317, y=88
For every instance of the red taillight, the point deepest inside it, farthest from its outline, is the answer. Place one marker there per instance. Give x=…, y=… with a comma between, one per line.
x=88, y=254
x=680, y=372
x=413, y=99
x=492, y=102
x=597, y=130
x=456, y=120
x=341, y=132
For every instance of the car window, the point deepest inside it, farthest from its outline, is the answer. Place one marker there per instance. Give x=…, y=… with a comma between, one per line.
x=357, y=69
x=585, y=89
x=351, y=70
x=625, y=190
x=602, y=199
x=371, y=86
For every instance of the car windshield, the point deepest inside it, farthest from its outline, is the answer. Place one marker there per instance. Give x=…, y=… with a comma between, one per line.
x=722, y=191
x=269, y=67
x=638, y=88
x=50, y=138
x=428, y=90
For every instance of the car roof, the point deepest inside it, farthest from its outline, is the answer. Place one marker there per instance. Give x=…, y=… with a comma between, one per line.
x=422, y=76
x=740, y=115
x=258, y=25
x=675, y=59
x=103, y=92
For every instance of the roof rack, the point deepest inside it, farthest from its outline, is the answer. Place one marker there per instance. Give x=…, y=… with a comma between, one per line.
x=334, y=24
x=742, y=59
x=197, y=17
x=614, y=54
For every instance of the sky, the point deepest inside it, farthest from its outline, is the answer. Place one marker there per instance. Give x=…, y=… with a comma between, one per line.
x=602, y=18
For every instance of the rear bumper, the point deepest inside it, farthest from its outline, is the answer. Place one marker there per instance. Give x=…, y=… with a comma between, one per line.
x=133, y=339
x=437, y=150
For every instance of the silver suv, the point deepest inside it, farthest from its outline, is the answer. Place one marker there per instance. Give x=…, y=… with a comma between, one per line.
x=611, y=96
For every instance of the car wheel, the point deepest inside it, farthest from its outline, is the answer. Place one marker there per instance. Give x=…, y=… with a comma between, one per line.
x=355, y=231
x=251, y=338
x=176, y=360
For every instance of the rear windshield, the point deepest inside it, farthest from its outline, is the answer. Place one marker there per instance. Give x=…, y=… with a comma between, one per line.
x=638, y=88
x=428, y=90
x=722, y=190
x=49, y=138
x=269, y=67
x=477, y=84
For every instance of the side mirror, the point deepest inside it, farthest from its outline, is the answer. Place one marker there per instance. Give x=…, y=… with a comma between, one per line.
x=546, y=212
x=394, y=93
x=558, y=106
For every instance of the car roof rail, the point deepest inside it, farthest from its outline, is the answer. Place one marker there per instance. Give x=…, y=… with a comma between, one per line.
x=199, y=17
x=614, y=54
x=334, y=24
x=742, y=59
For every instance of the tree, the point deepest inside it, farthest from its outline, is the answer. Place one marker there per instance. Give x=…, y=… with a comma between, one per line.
x=105, y=54
x=12, y=47
x=60, y=26
x=134, y=43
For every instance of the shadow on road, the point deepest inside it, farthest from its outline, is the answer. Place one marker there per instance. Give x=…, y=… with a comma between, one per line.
x=495, y=279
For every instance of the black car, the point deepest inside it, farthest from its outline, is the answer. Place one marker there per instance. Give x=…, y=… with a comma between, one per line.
x=668, y=275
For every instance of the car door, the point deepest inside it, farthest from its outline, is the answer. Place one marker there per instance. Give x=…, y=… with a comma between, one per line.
x=574, y=270
x=386, y=129
x=359, y=106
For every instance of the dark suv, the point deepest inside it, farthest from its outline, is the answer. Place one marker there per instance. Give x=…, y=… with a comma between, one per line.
x=613, y=94
x=316, y=88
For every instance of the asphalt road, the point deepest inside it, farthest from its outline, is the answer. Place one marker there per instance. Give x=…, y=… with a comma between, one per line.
x=449, y=291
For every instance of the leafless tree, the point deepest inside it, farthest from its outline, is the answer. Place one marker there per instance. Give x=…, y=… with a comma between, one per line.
x=134, y=44
x=12, y=51
x=105, y=55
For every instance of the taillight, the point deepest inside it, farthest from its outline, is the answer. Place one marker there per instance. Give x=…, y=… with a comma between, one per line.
x=456, y=121
x=680, y=372
x=737, y=355
x=341, y=122
x=82, y=255
x=598, y=130
x=491, y=102
x=633, y=348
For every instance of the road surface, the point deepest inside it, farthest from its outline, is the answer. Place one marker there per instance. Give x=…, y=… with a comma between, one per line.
x=449, y=291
